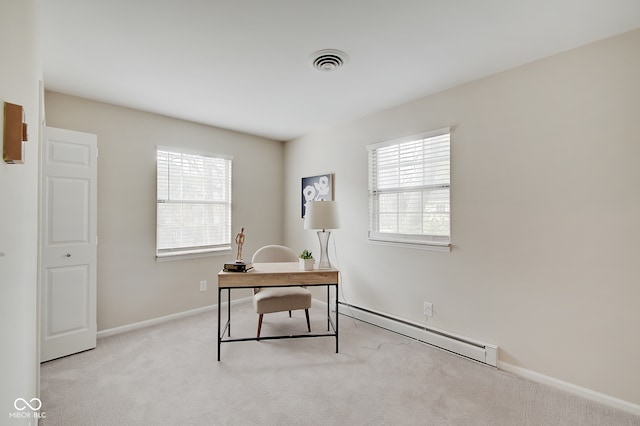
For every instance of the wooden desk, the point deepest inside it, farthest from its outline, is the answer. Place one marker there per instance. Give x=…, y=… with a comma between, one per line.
x=284, y=274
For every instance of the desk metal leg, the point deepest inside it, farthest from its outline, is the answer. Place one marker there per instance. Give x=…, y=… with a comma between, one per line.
x=337, y=315
x=328, y=309
x=229, y=312
x=219, y=307
x=227, y=327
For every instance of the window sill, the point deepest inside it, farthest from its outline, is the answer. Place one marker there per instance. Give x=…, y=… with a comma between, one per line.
x=432, y=246
x=194, y=254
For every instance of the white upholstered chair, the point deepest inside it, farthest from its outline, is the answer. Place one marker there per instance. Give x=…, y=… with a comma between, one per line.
x=267, y=300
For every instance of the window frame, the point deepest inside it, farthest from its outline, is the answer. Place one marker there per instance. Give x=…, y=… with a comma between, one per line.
x=422, y=240
x=175, y=253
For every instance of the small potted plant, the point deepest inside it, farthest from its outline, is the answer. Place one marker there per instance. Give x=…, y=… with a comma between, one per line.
x=306, y=260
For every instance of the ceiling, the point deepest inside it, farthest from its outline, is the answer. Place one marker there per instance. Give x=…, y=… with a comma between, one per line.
x=245, y=64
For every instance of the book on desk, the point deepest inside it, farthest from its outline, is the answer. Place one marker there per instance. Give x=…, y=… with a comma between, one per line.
x=238, y=267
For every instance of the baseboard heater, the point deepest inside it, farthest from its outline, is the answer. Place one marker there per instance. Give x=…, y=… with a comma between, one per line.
x=460, y=345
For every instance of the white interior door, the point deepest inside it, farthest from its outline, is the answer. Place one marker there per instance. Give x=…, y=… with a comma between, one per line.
x=68, y=243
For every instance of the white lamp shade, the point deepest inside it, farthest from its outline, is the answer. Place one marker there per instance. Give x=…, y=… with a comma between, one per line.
x=321, y=215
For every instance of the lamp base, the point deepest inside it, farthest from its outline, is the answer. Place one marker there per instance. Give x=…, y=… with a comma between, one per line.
x=323, y=236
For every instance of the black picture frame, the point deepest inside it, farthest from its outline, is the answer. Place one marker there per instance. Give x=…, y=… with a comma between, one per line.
x=316, y=188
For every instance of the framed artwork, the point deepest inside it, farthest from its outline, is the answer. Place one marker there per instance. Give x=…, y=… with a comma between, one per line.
x=316, y=188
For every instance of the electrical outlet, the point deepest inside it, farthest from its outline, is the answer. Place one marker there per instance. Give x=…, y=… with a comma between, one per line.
x=428, y=309
x=203, y=285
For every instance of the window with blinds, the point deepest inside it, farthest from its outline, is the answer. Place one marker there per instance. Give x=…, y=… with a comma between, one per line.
x=409, y=184
x=194, y=203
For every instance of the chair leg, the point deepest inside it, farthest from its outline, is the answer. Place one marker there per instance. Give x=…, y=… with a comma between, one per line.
x=306, y=312
x=259, y=325
x=289, y=314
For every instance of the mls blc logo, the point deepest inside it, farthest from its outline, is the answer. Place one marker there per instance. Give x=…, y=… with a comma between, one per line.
x=25, y=408
x=21, y=404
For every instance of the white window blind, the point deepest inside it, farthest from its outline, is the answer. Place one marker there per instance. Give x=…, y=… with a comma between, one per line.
x=194, y=203
x=409, y=184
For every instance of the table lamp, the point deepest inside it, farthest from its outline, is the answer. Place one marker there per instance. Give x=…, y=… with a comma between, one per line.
x=322, y=215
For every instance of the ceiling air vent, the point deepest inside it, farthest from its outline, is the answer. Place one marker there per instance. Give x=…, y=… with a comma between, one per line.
x=328, y=59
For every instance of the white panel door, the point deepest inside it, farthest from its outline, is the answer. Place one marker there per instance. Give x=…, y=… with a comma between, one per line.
x=68, y=243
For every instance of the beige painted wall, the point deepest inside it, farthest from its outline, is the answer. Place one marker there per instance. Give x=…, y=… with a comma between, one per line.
x=132, y=286
x=19, y=79
x=545, y=215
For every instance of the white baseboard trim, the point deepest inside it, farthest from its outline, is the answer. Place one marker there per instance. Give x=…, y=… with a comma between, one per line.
x=154, y=321
x=589, y=394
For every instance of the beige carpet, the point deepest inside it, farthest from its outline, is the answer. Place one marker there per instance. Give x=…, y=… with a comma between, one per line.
x=168, y=375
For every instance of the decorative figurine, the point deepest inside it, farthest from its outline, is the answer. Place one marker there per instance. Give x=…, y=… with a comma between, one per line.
x=240, y=242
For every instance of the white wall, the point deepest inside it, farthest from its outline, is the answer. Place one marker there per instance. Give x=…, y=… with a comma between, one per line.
x=132, y=286
x=20, y=72
x=545, y=215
